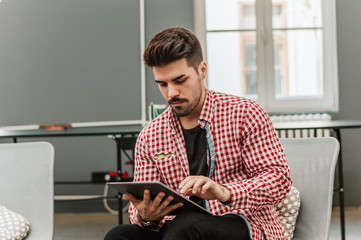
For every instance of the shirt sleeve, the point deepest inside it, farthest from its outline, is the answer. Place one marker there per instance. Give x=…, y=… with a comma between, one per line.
x=268, y=175
x=144, y=170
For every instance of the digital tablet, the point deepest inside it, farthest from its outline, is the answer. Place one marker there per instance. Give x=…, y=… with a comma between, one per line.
x=137, y=190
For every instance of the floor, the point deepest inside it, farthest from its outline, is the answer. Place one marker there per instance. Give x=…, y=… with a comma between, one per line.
x=89, y=226
x=353, y=224
x=83, y=226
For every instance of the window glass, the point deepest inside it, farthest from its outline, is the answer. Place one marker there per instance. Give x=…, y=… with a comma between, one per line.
x=228, y=14
x=298, y=63
x=227, y=53
x=247, y=14
x=296, y=13
x=276, y=56
x=250, y=56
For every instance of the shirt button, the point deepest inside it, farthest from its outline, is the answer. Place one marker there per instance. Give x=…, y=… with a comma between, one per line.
x=207, y=136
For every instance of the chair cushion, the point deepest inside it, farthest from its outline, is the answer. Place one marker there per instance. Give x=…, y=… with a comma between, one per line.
x=12, y=225
x=287, y=211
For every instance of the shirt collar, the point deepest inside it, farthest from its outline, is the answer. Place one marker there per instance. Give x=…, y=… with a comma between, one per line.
x=207, y=110
x=173, y=120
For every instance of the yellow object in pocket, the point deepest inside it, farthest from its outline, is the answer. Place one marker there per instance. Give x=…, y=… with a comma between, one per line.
x=163, y=155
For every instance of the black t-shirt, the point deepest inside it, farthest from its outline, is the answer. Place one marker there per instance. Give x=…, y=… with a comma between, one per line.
x=196, y=146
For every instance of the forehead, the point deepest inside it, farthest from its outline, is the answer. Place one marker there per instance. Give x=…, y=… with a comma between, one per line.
x=172, y=70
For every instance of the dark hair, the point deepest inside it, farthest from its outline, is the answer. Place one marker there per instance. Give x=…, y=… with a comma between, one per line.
x=173, y=44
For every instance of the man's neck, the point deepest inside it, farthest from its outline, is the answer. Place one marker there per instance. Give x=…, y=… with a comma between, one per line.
x=190, y=121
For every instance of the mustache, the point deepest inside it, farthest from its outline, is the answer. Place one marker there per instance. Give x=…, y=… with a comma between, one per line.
x=175, y=99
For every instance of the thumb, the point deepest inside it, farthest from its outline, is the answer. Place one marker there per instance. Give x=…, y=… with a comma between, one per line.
x=131, y=198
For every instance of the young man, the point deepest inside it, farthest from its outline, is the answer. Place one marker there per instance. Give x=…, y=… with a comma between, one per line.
x=219, y=149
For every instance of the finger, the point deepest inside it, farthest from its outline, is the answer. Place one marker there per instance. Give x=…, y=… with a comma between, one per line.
x=159, y=210
x=171, y=208
x=135, y=201
x=158, y=199
x=189, y=192
x=197, y=187
x=130, y=197
x=187, y=180
x=184, y=182
x=167, y=201
x=206, y=187
x=146, y=196
x=189, y=184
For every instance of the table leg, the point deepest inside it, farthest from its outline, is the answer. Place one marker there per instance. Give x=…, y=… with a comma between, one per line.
x=341, y=190
x=123, y=143
x=119, y=170
x=120, y=211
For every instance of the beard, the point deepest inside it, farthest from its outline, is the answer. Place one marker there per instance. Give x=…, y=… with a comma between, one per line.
x=189, y=104
x=183, y=111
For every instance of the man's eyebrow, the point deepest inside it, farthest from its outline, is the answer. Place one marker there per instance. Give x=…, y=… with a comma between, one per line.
x=174, y=79
x=179, y=77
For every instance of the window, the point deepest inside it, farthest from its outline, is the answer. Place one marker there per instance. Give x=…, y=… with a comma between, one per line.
x=281, y=53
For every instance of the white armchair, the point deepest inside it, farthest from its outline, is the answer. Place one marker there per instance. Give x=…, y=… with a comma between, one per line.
x=27, y=184
x=312, y=162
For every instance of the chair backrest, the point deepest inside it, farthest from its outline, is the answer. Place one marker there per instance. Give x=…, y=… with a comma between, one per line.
x=155, y=109
x=27, y=184
x=312, y=162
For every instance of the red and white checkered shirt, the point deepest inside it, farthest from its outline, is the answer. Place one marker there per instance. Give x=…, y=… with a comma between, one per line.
x=249, y=160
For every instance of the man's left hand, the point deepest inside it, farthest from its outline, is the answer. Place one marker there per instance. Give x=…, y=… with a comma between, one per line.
x=205, y=188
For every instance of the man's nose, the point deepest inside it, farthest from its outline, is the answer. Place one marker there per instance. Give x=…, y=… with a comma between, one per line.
x=173, y=91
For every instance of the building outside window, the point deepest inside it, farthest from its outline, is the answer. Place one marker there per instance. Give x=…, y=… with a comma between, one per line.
x=281, y=53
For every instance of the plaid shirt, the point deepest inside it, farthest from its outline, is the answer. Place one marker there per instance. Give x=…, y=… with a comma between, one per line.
x=246, y=157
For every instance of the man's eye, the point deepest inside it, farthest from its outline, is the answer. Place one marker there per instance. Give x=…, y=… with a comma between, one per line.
x=180, y=81
x=162, y=84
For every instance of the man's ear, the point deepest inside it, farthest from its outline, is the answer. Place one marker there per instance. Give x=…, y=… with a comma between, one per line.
x=202, y=69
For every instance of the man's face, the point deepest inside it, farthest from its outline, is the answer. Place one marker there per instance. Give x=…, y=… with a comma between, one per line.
x=181, y=85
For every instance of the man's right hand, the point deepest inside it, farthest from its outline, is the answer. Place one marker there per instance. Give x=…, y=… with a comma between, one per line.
x=152, y=210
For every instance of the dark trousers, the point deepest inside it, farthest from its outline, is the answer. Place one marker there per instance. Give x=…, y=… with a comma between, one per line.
x=192, y=226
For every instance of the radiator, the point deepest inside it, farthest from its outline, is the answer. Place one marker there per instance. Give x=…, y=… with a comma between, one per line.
x=302, y=118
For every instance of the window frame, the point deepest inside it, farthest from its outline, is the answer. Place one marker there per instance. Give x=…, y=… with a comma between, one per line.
x=265, y=65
